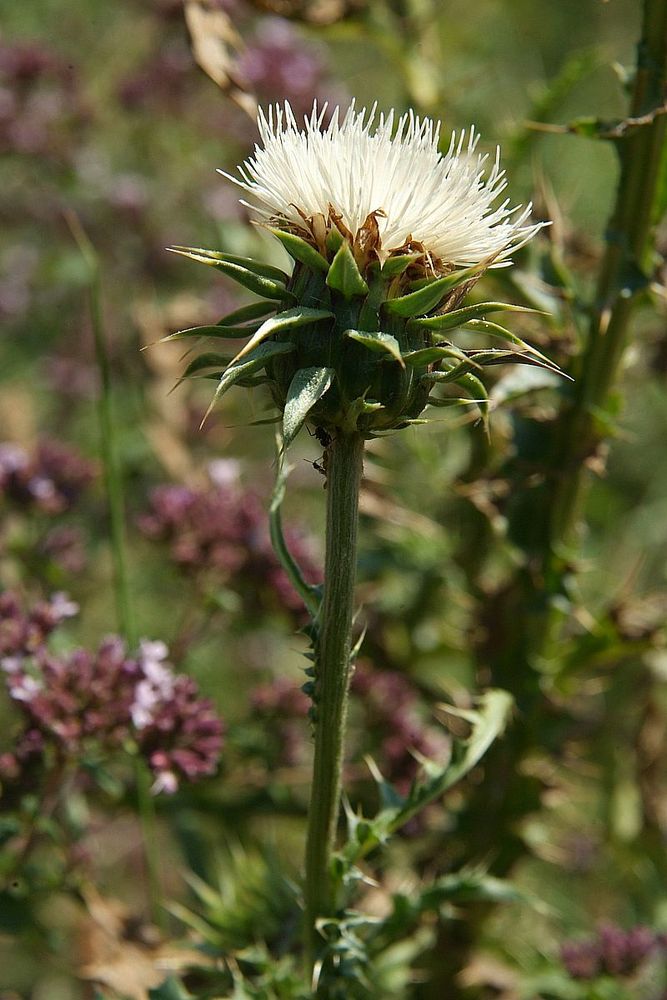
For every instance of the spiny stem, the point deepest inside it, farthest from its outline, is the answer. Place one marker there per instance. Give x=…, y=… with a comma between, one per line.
x=345, y=461
x=625, y=260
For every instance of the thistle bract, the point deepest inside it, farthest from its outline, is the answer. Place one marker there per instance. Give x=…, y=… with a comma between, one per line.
x=387, y=236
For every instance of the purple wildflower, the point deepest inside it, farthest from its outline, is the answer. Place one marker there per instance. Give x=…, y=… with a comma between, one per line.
x=395, y=719
x=613, y=952
x=279, y=64
x=40, y=105
x=221, y=533
x=50, y=479
x=92, y=703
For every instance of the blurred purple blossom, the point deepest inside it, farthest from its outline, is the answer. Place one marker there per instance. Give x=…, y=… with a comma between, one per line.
x=161, y=81
x=282, y=707
x=395, y=722
x=50, y=479
x=85, y=704
x=41, y=108
x=612, y=952
x=221, y=533
x=280, y=64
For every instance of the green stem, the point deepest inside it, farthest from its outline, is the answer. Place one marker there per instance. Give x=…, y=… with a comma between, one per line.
x=309, y=594
x=112, y=476
x=625, y=261
x=114, y=489
x=345, y=461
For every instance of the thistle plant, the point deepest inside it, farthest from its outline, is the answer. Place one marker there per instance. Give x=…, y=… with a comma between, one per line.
x=387, y=236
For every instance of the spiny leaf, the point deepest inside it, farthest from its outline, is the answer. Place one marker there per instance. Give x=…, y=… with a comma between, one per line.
x=380, y=343
x=255, y=310
x=267, y=287
x=205, y=361
x=495, y=330
x=494, y=356
x=227, y=328
x=287, y=320
x=429, y=355
x=359, y=407
x=214, y=257
x=488, y=722
x=300, y=250
x=477, y=390
x=306, y=389
x=456, y=318
x=344, y=275
x=256, y=360
x=463, y=378
x=426, y=298
x=218, y=331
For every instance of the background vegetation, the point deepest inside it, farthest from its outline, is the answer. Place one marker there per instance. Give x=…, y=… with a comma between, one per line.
x=107, y=124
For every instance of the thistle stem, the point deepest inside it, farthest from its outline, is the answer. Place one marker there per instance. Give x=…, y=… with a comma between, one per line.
x=345, y=461
x=628, y=247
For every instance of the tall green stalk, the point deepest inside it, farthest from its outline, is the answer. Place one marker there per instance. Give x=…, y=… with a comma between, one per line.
x=344, y=470
x=113, y=481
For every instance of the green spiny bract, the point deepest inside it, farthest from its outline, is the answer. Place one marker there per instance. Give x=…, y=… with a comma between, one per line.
x=356, y=342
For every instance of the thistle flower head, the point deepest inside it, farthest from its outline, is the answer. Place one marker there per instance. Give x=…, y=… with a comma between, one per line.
x=361, y=168
x=388, y=236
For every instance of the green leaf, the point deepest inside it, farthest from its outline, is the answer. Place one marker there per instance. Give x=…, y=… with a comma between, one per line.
x=477, y=390
x=456, y=318
x=255, y=310
x=359, y=407
x=215, y=257
x=306, y=389
x=287, y=320
x=344, y=275
x=487, y=722
x=218, y=331
x=380, y=343
x=424, y=299
x=334, y=239
x=205, y=361
x=395, y=266
x=494, y=356
x=243, y=270
x=429, y=355
x=254, y=361
x=300, y=250
x=495, y=330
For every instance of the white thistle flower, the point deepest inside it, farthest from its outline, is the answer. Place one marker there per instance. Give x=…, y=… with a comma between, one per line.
x=357, y=167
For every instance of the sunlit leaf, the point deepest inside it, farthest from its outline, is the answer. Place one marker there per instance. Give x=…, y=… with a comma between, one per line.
x=380, y=343
x=300, y=250
x=287, y=320
x=306, y=389
x=238, y=268
x=344, y=276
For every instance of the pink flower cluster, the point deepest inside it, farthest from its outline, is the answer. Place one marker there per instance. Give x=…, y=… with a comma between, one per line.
x=87, y=705
x=221, y=532
x=612, y=952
